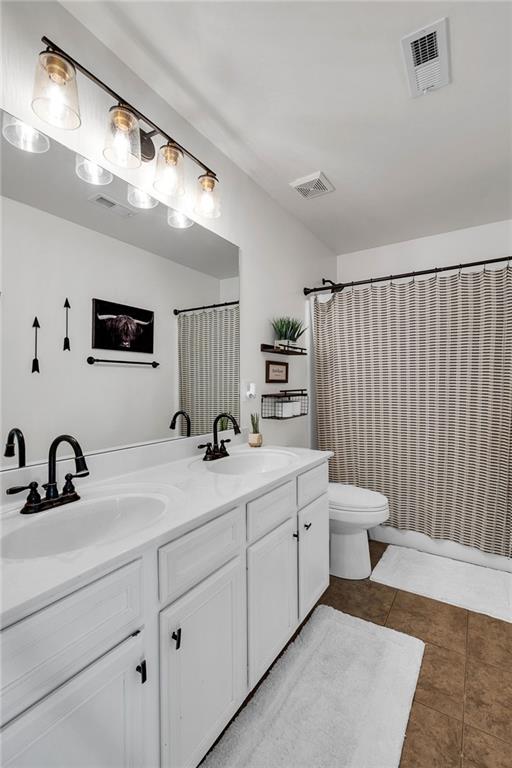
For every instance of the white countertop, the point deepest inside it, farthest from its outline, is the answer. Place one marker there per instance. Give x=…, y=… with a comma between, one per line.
x=192, y=495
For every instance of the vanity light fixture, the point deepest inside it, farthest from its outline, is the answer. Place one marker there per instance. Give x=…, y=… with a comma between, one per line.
x=122, y=141
x=23, y=136
x=207, y=201
x=169, y=176
x=178, y=220
x=140, y=199
x=127, y=145
x=91, y=172
x=55, y=97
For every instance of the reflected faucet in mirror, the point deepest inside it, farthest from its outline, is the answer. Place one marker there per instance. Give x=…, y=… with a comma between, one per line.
x=15, y=434
x=217, y=451
x=185, y=415
x=52, y=498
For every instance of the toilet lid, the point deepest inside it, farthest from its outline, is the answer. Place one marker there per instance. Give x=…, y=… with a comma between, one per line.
x=354, y=499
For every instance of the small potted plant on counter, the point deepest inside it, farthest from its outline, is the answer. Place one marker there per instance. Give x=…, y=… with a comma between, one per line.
x=288, y=331
x=255, y=436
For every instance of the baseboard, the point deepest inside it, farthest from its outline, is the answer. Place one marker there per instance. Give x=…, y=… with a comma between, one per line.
x=442, y=547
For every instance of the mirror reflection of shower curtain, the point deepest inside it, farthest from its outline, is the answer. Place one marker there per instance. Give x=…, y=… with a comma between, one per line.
x=209, y=365
x=414, y=396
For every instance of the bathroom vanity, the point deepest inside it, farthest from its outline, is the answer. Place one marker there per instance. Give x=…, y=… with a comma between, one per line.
x=139, y=646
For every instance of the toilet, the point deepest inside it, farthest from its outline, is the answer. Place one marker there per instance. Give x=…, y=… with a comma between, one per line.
x=352, y=511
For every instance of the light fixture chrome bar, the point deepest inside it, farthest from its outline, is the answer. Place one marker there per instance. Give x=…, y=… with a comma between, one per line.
x=119, y=99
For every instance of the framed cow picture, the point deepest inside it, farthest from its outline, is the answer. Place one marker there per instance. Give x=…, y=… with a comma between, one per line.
x=120, y=327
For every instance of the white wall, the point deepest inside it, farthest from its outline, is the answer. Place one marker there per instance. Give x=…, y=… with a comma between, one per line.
x=46, y=259
x=488, y=241
x=278, y=255
x=230, y=289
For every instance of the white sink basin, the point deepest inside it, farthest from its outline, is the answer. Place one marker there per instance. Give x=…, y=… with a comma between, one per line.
x=255, y=462
x=82, y=524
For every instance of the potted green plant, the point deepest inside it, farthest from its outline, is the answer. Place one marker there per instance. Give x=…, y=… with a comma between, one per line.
x=255, y=436
x=288, y=331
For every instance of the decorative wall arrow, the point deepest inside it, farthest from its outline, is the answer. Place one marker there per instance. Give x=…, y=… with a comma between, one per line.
x=35, y=361
x=67, y=307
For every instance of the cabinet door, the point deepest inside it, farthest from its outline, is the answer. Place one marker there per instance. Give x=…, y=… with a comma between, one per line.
x=203, y=665
x=93, y=720
x=313, y=553
x=272, y=596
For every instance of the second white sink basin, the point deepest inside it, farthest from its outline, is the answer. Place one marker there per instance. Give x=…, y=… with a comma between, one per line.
x=253, y=461
x=82, y=524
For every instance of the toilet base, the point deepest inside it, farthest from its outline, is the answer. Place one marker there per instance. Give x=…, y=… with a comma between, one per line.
x=350, y=555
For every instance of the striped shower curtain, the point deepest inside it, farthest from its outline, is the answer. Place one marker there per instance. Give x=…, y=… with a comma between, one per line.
x=209, y=365
x=414, y=396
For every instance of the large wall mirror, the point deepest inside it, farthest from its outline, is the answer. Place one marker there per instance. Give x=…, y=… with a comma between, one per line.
x=123, y=270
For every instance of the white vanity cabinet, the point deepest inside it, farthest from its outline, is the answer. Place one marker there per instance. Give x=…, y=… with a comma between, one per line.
x=271, y=595
x=288, y=568
x=206, y=614
x=313, y=530
x=96, y=719
x=203, y=664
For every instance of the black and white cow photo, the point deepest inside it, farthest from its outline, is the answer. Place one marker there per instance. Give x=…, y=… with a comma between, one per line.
x=120, y=327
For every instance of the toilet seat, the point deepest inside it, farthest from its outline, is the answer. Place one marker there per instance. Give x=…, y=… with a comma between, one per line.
x=350, y=498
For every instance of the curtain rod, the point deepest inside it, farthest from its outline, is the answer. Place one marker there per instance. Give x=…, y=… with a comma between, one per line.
x=206, y=306
x=338, y=287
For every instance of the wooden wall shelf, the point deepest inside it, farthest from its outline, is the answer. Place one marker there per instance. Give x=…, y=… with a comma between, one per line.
x=269, y=348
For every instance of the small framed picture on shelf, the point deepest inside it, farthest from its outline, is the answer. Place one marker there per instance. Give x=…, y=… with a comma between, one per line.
x=276, y=373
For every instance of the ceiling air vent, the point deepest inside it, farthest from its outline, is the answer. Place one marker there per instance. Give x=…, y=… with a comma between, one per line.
x=426, y=58
x=112, y=205
x=314, y=185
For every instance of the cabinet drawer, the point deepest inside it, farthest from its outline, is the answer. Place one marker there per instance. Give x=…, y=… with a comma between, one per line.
x=270, y=510
x=311, y=484
x=186, y=561
x=47, y=648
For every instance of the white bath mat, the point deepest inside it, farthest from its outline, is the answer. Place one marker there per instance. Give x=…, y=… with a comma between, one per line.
x=479, y=589
x=339, y=697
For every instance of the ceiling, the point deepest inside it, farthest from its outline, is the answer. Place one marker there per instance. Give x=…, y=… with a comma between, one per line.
x=48, y=182
x=290, y=88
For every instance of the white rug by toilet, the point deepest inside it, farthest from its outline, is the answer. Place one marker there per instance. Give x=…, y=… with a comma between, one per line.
x=479, y=589
x=339, y=697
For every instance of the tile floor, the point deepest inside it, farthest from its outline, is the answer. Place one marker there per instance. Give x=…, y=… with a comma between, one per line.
x=462, y=711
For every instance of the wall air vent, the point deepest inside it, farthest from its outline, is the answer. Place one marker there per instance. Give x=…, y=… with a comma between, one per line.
x=112, y=205
x=426, y=58
x=314, y=185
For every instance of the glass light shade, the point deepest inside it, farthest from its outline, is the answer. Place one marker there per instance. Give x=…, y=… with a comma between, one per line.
x=122, y=142
x=55, y=97
x=207, y=200
x=140, y=199
x=178, y=220
x=23, y=136
x=169, y=176
x=91, y=172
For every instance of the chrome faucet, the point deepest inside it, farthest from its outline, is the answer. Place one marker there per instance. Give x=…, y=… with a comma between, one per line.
x=10, y=447
x=52, y=498
x=185, y=415
x=215, y=451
